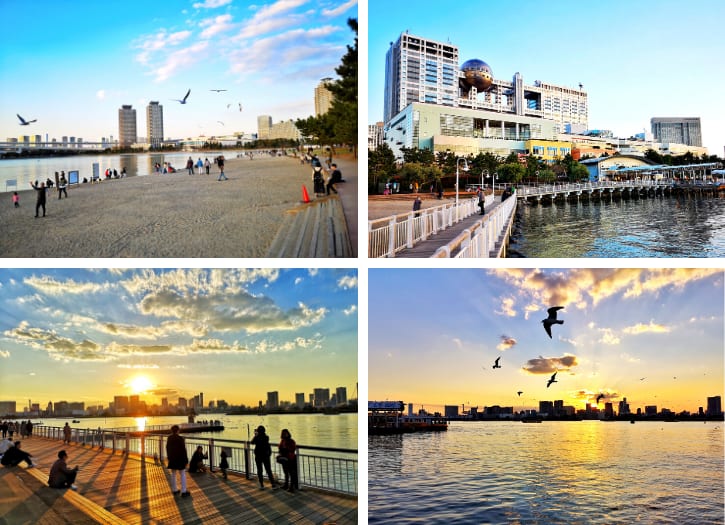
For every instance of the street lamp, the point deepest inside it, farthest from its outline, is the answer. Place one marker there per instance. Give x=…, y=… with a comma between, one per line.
x=465, y=168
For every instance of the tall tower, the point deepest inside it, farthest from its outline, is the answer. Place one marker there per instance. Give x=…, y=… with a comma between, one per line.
x=126, y=125
x=155, y=124
x=264, y=125
x=419, y=70
x=323, y=97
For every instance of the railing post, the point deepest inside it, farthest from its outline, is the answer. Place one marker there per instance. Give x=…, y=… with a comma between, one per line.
x=211, y=455
x=411, y=228
x=391, y=237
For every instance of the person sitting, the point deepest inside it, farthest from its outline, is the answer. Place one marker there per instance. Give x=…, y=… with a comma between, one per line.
x=197, y=461
x=60, y=475
x=5, y=444
x=13, y=456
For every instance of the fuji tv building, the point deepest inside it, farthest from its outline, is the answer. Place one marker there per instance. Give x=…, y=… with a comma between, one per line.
x=432, y=103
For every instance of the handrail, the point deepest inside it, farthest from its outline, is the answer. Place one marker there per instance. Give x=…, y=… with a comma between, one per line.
x=481, y=238
x=394, y=233
x=331, y=469
x=546, y=189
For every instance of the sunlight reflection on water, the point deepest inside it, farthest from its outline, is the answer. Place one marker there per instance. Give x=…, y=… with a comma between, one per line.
x=555, y=472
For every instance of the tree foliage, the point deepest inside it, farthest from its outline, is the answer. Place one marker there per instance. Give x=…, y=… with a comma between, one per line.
x=381, y=166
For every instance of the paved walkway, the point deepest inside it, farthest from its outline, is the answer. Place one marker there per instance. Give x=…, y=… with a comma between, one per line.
x=349, y=197
x=113, y=488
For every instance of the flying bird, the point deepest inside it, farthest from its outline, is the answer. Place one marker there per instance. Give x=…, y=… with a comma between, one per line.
x=183, y=100
x=552, y=319
x=600, y=396
x=220, y=122
x=24, y=122
x=520, y=392
x=552, y=380
x=240, y=106
x=495, y=364
x=642, y=378
x=218, y=90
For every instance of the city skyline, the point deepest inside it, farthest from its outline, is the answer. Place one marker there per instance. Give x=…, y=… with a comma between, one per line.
x=269, y=57
x=89, y=335
x=613, y=57
x=626, y=333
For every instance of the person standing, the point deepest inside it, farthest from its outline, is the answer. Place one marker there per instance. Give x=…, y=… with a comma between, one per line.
x=66, y=434
x=199, y=165
x=40, y=194
x=262, y=455
x=220, y=163
x=190, y=166
x=287, y=451
x=176, y=454
x=481, y=199
x=224, y=463
x=60, y=475
x=207, y=165
x=62, y=185
x=16, y=199
x=416, y=205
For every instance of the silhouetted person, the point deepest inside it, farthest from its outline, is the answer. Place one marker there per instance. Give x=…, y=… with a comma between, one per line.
x=262, y=455
x=60, y=475
x=176, y=454
x=40, y=194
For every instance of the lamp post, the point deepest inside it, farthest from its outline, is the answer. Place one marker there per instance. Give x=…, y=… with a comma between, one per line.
x=465, y=168
x=482, y=172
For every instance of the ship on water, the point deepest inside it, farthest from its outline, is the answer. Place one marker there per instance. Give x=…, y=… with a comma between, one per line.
x=387, y=417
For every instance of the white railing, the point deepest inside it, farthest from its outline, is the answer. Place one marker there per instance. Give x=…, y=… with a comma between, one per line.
x=480, y=240
x=326, y=468
x=550, y=189
x=389, y=235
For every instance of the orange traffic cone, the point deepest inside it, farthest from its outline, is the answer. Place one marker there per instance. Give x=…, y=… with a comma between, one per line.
x=305, y=197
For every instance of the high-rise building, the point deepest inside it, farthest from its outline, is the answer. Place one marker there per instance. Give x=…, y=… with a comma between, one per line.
x=300, y=400
x=264, y=125
x=323, y=97
x=272, y=400
x=376, y=135
x=126, y=126
x=714, y=406
x=155, y=124
x=419, y=70
x=322, y=397
x=623, y=407
x=341, y=395
x=678, y=130
x=7, y=408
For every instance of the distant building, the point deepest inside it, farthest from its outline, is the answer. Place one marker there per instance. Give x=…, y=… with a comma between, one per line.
x=714, y=406
x=300, y=400
x=546, y=407
x=155, y=124
x=608, y=410
x=7, y=408
x=272, y=400
x=323, y=97
x=376, y=135
x=264, y=125
x=679, y=130
x=341, y=395
x=126, y=126
x=650, y=410
x=322, y=397
x=623, y=407
x=450, y=410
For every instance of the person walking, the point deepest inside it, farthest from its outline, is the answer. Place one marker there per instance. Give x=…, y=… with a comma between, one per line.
x=40, y=194
x=220, y=163
x=416, y=205
x=66, y=434
x=481, y=199
x=262, y=455
x=16, y=199
x=207, y=165
x=60, y=475
x=62, y=185
x=176, y=454
x=288, y=456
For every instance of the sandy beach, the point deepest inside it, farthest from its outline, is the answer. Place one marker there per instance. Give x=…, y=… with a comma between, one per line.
x=170, y=215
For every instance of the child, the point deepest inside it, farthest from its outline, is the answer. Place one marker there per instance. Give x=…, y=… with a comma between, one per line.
x=16, y=199
x=224, y=464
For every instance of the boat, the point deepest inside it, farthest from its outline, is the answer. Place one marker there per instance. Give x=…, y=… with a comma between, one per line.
x=387, y=417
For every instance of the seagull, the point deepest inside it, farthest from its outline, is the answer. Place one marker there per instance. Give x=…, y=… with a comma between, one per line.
x=220, y=122
x=552, y=380
x=24, y=122
x=520, y=392
x=218, y=90
x=240, y=106
x=642, y=378
x=496, y=365
x=600, y=396
x=551, y=319
x=183, y=100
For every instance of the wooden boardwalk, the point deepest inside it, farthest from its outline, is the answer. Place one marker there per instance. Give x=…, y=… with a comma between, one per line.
x=115, y=488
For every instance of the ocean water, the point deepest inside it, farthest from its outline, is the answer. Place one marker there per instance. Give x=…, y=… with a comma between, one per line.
x=669, y=226
x=582, y=472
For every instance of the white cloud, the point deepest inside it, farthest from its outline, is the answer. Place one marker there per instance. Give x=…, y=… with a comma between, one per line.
x=339, y=9
x=211, y=4
x=507, y=307
x=4, y=353
x=298, y=280
x=100, y=94
x=351, y=310
x=215, y=25
x=348, y=281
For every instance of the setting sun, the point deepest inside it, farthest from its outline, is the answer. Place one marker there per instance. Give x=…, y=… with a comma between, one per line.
x=140, y=384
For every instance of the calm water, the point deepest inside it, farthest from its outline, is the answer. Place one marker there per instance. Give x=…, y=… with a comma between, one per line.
x=335, y=431
x=25, y=171
x=584, y=472
x=652, y=227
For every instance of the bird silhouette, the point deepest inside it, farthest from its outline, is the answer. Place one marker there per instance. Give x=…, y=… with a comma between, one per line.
x=520, y=392
x=495, y=364
x=552, y=379
x=642, y=378
x=220, y=122
x=240, y=107
x=600, y=396
x=24, y=122
x=183, y=100
x=218, y=90
x=552, y=319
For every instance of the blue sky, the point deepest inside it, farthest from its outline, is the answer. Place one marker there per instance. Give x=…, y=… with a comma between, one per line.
x=83, y=335
x=71, y=65
x=435, y=334
x=636, y=60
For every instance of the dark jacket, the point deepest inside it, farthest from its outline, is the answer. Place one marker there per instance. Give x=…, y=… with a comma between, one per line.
x=262, y=448
x=176, y=452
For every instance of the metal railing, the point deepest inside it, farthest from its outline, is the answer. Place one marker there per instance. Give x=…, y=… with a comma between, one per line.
x=552, y=189
x=480, y=240
x=390, y=235
x=324, y=468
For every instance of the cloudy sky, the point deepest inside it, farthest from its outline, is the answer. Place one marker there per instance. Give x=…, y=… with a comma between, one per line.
x=96, y=56
x=83, y=335
x=435, y=334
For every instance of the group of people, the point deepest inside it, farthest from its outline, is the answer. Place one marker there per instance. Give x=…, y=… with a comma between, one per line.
x=11, y=455
x=199, y=164
x=113, y=173
x=286, y=457
x=24, y=428
x=318, y=175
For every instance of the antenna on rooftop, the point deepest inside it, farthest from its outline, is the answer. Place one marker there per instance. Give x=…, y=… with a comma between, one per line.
x=580, y=85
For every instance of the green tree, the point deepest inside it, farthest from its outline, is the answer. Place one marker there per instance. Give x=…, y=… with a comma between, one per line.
x=511, y=173
x=381, y=166
x=421, y=156
x=422, y=174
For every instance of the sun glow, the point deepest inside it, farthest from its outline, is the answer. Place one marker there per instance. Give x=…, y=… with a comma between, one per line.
x=140, y=384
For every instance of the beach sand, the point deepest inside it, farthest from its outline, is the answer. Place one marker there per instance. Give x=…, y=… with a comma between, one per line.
x=170, y=215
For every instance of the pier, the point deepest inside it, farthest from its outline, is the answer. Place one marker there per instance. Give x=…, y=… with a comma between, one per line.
x=118, y=485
